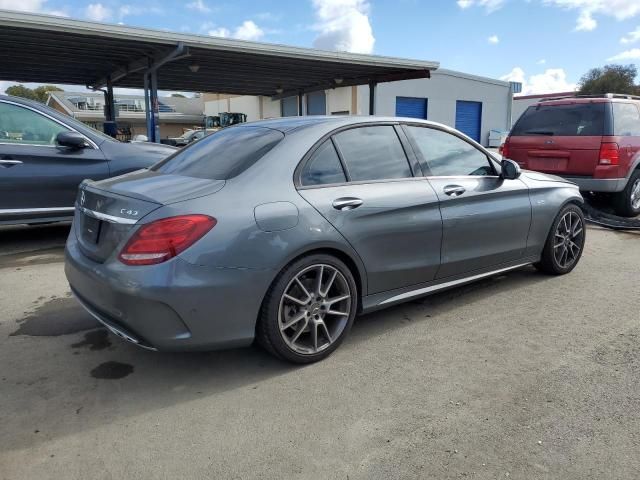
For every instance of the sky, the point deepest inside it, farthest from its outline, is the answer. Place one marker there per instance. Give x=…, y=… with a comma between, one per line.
x=545, y=44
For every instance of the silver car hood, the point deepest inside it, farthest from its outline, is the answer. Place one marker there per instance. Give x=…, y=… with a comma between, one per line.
x=544, y=177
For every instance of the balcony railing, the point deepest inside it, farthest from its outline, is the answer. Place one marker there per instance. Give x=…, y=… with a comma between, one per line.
x=123, y=107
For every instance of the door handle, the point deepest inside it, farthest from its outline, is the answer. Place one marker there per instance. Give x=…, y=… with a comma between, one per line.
x=347, y=203
x=454, y=190
x=9, y=163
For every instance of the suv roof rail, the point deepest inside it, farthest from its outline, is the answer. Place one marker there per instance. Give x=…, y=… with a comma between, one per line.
x=600, y=95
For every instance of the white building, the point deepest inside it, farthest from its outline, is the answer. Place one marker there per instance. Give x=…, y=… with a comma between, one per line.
x=473, y=104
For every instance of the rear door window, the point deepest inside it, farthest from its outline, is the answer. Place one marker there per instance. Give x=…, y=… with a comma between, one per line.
x=323, y=167
x=222, y=155
x=626, y=119
x=572, y=120
x=373, y=153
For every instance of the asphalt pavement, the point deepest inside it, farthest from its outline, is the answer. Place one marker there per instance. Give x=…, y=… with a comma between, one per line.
x=520, y=376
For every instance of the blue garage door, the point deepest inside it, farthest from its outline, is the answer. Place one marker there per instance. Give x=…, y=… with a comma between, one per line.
x=289, y=106
x=469, y=118
x=316, y=103
x=411, y=107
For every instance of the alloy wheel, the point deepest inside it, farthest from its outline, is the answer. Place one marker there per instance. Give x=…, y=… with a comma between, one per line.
x=314, y=309
x=568, y=239
x=635, y=195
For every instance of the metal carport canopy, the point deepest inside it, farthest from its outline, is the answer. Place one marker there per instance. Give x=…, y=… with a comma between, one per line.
x=51, y=49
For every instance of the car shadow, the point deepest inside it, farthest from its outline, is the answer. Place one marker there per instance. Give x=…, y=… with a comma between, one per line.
x=98, y=379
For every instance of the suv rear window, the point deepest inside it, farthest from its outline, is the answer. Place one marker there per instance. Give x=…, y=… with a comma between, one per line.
x=222, y=155
x=576, y=120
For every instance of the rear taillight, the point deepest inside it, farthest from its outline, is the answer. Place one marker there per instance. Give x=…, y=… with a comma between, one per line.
x=609, y=154
x=504, y=148
x=158, y=241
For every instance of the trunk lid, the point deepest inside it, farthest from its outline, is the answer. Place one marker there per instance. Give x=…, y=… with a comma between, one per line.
x=558, y=155
x=107, y=211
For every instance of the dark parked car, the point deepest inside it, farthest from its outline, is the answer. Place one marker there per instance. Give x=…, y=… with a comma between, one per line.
x=594, y=141
x=44, y=155
x=283, y=230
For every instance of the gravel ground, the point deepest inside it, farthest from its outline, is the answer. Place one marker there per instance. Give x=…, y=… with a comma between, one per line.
x=522, y=376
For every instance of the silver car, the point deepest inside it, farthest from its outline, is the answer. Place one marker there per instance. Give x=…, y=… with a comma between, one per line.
x=283, y=230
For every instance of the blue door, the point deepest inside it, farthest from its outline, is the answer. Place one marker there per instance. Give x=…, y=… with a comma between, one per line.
x=289, y=106
x=411, y=107
x=469, y=118
x=316, y=103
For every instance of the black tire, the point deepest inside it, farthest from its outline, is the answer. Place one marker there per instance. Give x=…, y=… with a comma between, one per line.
x=624, y=201
x=268, y=329
x=551, y=261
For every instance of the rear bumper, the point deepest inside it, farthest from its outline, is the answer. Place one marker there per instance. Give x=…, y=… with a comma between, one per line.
x=172, y=306
x=589, y=184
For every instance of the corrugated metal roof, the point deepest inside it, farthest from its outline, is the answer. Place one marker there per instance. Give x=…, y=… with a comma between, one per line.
x=45, y=48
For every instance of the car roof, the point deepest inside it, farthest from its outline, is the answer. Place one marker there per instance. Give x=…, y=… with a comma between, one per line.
x=290, y=124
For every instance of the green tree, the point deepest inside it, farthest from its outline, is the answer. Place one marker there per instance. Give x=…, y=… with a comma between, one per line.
x=40, y=93
x=610, y=79
x=21, y=91
x=178, y=95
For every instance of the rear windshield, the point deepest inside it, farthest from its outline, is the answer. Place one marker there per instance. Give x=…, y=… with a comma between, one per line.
x=222, y=155
x=577, y=120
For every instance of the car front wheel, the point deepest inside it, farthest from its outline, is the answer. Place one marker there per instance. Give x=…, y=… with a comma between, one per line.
x=565, y=242
x=308, y=310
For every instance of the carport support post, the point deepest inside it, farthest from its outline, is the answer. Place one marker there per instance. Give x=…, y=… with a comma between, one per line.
x=155, y=108
x=372, y=98
x=109, y=110
x=147, y=105
x=300, y=104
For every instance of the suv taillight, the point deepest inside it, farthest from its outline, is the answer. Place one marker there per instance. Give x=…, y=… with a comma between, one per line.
x=609, y=154
x=504, y=148
x=158, y=241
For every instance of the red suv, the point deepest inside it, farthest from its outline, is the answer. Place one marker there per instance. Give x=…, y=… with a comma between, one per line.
x=593, y=141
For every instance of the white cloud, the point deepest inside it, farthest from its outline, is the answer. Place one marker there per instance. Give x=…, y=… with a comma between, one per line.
x=553, y=80
x=631, y=37
x=34, y=6
x=488, y=5
x=199, y=6
x=587, y=9
x=97, y=12
x=633, y=54
x=586, y=22
x=220, y=32
x=343, y=25
x=247, y=31
x=542, y=61
x=493, y=39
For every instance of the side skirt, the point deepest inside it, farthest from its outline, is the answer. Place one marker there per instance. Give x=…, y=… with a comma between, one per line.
x=392, y=297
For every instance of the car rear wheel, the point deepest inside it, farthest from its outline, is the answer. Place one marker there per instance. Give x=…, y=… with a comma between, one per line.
x=308, y=310
x=565, y=242
x=627, y=202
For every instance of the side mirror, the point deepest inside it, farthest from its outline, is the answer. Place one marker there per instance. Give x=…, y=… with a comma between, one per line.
x=72, y=140
x=510, y=169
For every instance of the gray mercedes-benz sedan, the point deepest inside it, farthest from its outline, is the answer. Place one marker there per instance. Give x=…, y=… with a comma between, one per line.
x=283, y=230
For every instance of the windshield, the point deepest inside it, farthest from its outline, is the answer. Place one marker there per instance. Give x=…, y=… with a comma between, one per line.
x=584, y=119
x=222, y=155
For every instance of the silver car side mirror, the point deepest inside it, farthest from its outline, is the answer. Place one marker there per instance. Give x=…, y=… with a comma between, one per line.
x=510, y=169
